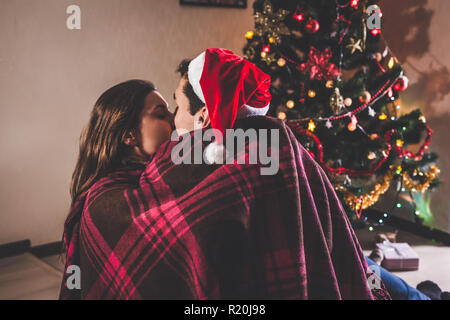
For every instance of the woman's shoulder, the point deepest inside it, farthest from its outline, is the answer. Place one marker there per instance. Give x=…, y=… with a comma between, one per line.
x=122, y=178
x=108, y=213
x=109, y=196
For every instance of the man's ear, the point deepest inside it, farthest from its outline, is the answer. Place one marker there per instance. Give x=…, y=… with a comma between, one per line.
x=204, y=117
x=129, y=139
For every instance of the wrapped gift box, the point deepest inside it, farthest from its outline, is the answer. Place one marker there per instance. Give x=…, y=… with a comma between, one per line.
x=398, y=256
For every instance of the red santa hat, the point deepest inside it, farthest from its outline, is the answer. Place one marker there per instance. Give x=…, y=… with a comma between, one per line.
x=231, y=87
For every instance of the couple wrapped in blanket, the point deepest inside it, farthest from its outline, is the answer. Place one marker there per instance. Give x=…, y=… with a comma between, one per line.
x=144, y=226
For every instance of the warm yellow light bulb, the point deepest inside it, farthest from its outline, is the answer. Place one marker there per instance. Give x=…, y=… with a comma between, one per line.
x=290, y=104
x=311, y=93
x=249, y=34
x=399, y=143
x=391, y=63
x=263, y=54
x=351, y=126
x=271, y=40
x=382, y=116
x=311, y=125
x=282, y=115
x=281, y=62
x=348, y=102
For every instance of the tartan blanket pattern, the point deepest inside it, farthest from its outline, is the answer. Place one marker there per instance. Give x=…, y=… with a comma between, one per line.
x=186, y=231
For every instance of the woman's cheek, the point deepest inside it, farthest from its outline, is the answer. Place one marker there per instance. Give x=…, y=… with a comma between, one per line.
x=166, y=130
x=161, y=133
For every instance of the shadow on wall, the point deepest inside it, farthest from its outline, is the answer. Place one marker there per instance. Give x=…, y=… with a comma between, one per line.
x=409, y=32
x=411, y=39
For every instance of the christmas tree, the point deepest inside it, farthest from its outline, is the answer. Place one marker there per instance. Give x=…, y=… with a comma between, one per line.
x=337, y=84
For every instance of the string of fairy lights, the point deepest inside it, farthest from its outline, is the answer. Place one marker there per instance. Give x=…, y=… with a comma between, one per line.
x=269, y=27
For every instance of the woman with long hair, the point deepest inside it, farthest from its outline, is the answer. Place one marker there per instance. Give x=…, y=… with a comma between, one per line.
x=127, y=125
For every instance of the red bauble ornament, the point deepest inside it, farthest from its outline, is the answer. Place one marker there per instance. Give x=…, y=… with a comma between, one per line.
x=312, y=26
x=401, y=84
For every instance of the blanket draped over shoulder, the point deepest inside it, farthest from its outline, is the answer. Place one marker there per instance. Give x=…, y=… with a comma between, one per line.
x=199, y=231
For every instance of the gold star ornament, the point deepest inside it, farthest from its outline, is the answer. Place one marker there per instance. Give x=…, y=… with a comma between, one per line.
x=354, y=45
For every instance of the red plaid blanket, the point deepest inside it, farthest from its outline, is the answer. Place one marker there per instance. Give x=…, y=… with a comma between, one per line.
x=166, y=231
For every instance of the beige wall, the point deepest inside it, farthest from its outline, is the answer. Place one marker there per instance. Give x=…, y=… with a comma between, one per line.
x=418, y=33
x=50, y=78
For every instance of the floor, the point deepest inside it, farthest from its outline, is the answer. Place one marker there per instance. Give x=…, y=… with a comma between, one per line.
x=25, y=277
x=434, y=259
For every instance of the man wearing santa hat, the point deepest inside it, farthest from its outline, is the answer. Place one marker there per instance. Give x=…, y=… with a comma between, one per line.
x=218, y=230
x=217, y=88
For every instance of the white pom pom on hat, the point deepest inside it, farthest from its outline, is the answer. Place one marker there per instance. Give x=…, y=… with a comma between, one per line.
x=215, y=153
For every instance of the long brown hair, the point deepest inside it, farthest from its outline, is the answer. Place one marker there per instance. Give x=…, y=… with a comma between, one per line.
x=115, y=114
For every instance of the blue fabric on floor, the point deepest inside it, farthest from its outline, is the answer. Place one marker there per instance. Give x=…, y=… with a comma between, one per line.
x=397, y=287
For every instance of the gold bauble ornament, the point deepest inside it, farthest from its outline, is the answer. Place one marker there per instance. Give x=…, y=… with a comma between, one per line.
x=336, y=101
